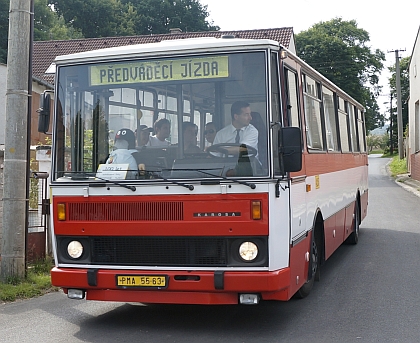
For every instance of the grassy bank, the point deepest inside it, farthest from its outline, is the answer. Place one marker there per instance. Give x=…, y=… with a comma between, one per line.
x=36, y=283
x=397, y=166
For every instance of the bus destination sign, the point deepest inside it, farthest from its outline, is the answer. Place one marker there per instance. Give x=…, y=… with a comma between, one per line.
x=159, y=71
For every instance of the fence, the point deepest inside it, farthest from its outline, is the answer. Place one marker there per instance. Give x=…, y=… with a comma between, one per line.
x=38, y=217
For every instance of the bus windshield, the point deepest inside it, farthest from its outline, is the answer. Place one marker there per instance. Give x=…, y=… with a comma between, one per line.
x=184, y=117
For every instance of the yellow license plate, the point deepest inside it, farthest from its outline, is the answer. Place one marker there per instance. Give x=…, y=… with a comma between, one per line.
x=158, y=281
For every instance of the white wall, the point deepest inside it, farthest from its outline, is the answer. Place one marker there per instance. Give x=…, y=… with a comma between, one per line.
x=414, y=124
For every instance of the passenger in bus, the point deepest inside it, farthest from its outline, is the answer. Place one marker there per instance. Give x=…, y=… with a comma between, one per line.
x=162, y=132
x=125, y=145
x=190, y=131
x=143, y=136
x=240, y=131
x=209, y=133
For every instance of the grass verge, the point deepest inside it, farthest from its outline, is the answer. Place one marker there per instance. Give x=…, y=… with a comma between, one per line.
x=397, y=166
x=36, y=283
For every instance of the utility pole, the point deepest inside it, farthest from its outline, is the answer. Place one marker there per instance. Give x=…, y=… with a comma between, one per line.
x=391, y=112
x=399, y=104
x=13, y=254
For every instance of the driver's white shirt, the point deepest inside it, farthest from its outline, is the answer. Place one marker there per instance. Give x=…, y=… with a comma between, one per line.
x=248, y=135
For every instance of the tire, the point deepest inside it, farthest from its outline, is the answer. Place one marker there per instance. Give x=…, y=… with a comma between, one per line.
x=304, y=291
x=354, y=236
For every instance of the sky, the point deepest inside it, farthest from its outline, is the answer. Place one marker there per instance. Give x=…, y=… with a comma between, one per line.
x=389, y=28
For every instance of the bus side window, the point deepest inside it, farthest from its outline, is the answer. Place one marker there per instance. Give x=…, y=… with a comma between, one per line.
x=352, y=122
x=330, y=119
x=292, y=98
x=313, y=119
x=343, y=124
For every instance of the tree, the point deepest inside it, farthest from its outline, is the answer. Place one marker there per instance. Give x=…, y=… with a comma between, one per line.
x=48, y=25
x=102, y=18
x=405, y=93
x=377, y=142
x=94, y=18
x=158, y=16
x=338, y=50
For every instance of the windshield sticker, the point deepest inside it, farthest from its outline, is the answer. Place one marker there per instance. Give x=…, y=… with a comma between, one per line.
x=112, y=171
x=159, y=71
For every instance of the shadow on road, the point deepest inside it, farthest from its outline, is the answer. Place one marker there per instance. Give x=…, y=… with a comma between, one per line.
x=350, y=294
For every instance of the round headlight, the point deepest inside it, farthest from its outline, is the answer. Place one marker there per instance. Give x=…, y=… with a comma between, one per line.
x=75, y=249
x=248, y=251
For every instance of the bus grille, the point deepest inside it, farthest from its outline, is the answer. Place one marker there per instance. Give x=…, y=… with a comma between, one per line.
x=160, y=251
x=126, y=211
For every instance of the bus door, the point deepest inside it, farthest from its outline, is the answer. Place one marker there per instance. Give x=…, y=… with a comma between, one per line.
x=298, y=182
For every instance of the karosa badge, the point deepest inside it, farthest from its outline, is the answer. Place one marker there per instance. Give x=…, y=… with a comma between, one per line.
x=217, y=214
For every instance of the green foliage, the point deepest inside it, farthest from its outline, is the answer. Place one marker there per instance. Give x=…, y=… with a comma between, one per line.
x=158, y=16
x=33, y=187
x=104, y=18
x=338, y=50
x=398, y=166
x=36, y=283
x=377, y=143
x=405, y=94
x=48, y=25
x=94, y=18
x=72, y=19
x=33, y=193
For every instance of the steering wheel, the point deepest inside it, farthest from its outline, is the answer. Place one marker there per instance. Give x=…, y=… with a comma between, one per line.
x=232, y=149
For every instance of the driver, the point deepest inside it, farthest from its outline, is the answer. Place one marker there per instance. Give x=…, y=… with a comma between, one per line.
x=240, y=131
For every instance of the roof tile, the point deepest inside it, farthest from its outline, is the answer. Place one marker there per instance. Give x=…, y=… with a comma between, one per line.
x=44, y=52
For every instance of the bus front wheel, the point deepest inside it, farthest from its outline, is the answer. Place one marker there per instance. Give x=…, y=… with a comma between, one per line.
x=314, y=269
x=354, y=236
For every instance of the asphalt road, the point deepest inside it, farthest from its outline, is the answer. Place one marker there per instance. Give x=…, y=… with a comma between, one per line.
x=367, y=293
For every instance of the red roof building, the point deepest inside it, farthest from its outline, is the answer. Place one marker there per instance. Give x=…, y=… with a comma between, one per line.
x=44, y=52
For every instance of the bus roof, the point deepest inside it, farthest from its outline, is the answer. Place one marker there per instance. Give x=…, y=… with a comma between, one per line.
x=160, y=48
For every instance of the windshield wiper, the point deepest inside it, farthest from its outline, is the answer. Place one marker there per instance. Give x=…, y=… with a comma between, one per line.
x=250, y=185
x=190, y=187
x=131, y=188
x=85, y=176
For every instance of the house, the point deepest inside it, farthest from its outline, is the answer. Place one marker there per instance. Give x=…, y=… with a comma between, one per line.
x=413, y=155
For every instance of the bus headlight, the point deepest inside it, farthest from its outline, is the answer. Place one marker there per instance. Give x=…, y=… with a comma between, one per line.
x=248, y=251
x=75, y=249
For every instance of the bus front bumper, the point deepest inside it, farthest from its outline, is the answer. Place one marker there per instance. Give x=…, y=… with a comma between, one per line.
x=181, y=287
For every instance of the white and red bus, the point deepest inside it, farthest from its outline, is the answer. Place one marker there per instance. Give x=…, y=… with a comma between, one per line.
x=225, y=224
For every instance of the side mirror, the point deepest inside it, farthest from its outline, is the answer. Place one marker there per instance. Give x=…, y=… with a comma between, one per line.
x=44, y=113
x=290, y=151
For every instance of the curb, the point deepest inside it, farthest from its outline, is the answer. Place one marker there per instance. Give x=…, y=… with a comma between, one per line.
x=405, y=181
x=411, y=185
